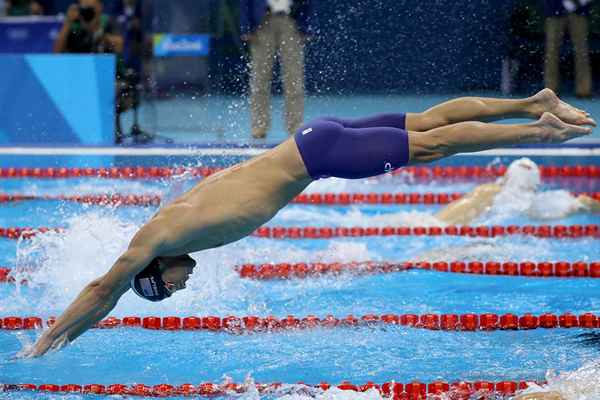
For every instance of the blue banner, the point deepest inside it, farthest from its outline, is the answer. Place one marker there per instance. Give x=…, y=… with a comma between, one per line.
x=173, y=45
x=28, y=34
x=57, y=99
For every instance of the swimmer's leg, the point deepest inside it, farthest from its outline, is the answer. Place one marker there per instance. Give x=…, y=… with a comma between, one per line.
x=472, y=136
x=329, y=149
x=490, y=109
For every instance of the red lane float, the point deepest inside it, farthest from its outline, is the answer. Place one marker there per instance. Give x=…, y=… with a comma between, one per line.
x=419, y=172
x=251, y=323
x=546, y=269
x=325, y=199
x=414, y=390
x=104, y=199
x=540, y=231
x=388, y=198
x=25, y=232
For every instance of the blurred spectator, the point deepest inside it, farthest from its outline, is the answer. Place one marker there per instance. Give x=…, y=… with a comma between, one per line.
x=16, y=8
x=87, y=30
x=571, y=14
x=271, y=27
x=128, y=16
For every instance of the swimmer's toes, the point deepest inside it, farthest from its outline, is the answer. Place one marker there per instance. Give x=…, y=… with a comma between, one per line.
x=576, y=131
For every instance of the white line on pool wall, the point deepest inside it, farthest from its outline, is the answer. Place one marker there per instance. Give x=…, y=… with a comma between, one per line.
x=121, y=151
x=253, y=151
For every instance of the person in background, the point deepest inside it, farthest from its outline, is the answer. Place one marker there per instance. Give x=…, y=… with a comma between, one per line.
x=87, y=30
x=271, y=27
x=560, y=15
x=518, y=190
x=127, y=14
x=18, y=8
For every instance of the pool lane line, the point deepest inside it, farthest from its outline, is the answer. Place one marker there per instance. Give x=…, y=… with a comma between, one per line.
x=481, y=231
x=468, y=322
x=325, y=232
x=114, y=199
x=583, y=148
x=424, y=173
x=544, y=269
x=413, y=390
x=279, y=271
x=318, y=199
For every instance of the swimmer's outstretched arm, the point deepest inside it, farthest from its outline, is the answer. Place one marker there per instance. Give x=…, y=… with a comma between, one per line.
x=464, y=210
x=100, y=296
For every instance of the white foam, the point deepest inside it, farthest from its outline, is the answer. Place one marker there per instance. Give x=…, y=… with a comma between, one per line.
x=355, y=217
x=581, y=384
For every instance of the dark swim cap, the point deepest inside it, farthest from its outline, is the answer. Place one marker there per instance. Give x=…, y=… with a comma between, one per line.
x=149, y=284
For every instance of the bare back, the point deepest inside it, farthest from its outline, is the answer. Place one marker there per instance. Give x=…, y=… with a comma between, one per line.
x=231, y=204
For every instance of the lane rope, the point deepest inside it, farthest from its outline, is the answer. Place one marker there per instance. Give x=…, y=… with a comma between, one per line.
x=545, y=269
x=418, y=172
x=272, y=271
x=96, y=199
x=540, y=231
x=248, y=324
x=294, y=232
x=326, y=199
x=414, y=390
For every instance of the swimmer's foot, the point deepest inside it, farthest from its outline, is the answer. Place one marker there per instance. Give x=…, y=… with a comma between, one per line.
x=554, y=130
x=547, y=101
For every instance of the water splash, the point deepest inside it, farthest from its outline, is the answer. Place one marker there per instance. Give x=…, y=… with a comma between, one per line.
x=354, y=216
x=581, y=384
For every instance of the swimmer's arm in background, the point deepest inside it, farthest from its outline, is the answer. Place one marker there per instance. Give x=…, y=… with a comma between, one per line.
x=588, y=203
x=464, y=210
x=540, y=396
x=579, y=204
x=99, y=297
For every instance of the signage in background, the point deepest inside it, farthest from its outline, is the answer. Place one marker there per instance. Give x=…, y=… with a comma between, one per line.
x=175, y=45
x=28, y=34
x=57, y=99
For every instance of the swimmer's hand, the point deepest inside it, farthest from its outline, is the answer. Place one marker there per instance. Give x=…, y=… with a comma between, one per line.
x=43, y=345
x=589, y=203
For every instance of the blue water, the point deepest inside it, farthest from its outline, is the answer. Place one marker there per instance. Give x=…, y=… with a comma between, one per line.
x=59, y=265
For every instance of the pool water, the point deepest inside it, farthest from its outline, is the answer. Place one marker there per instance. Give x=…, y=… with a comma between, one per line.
x=58, y=265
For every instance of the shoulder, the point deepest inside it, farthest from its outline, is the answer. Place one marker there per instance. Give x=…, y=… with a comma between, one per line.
x=488, y=189
x=167, y=230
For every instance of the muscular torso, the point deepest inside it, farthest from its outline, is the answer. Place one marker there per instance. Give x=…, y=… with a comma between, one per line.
x=231, y=204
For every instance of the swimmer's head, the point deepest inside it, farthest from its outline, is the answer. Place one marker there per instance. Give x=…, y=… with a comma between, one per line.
x=522, y=174
x=163, y=277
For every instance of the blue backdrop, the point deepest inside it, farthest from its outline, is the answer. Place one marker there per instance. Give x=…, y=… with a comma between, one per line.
x=54, y=99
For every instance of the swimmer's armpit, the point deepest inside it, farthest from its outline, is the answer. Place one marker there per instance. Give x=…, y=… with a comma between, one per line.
x=540, y=396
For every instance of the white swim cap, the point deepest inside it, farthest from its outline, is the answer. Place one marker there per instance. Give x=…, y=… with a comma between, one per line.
x=522, y=174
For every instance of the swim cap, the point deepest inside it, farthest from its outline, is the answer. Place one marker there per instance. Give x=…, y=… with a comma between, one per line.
x=522, y=174
x=149, y=284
